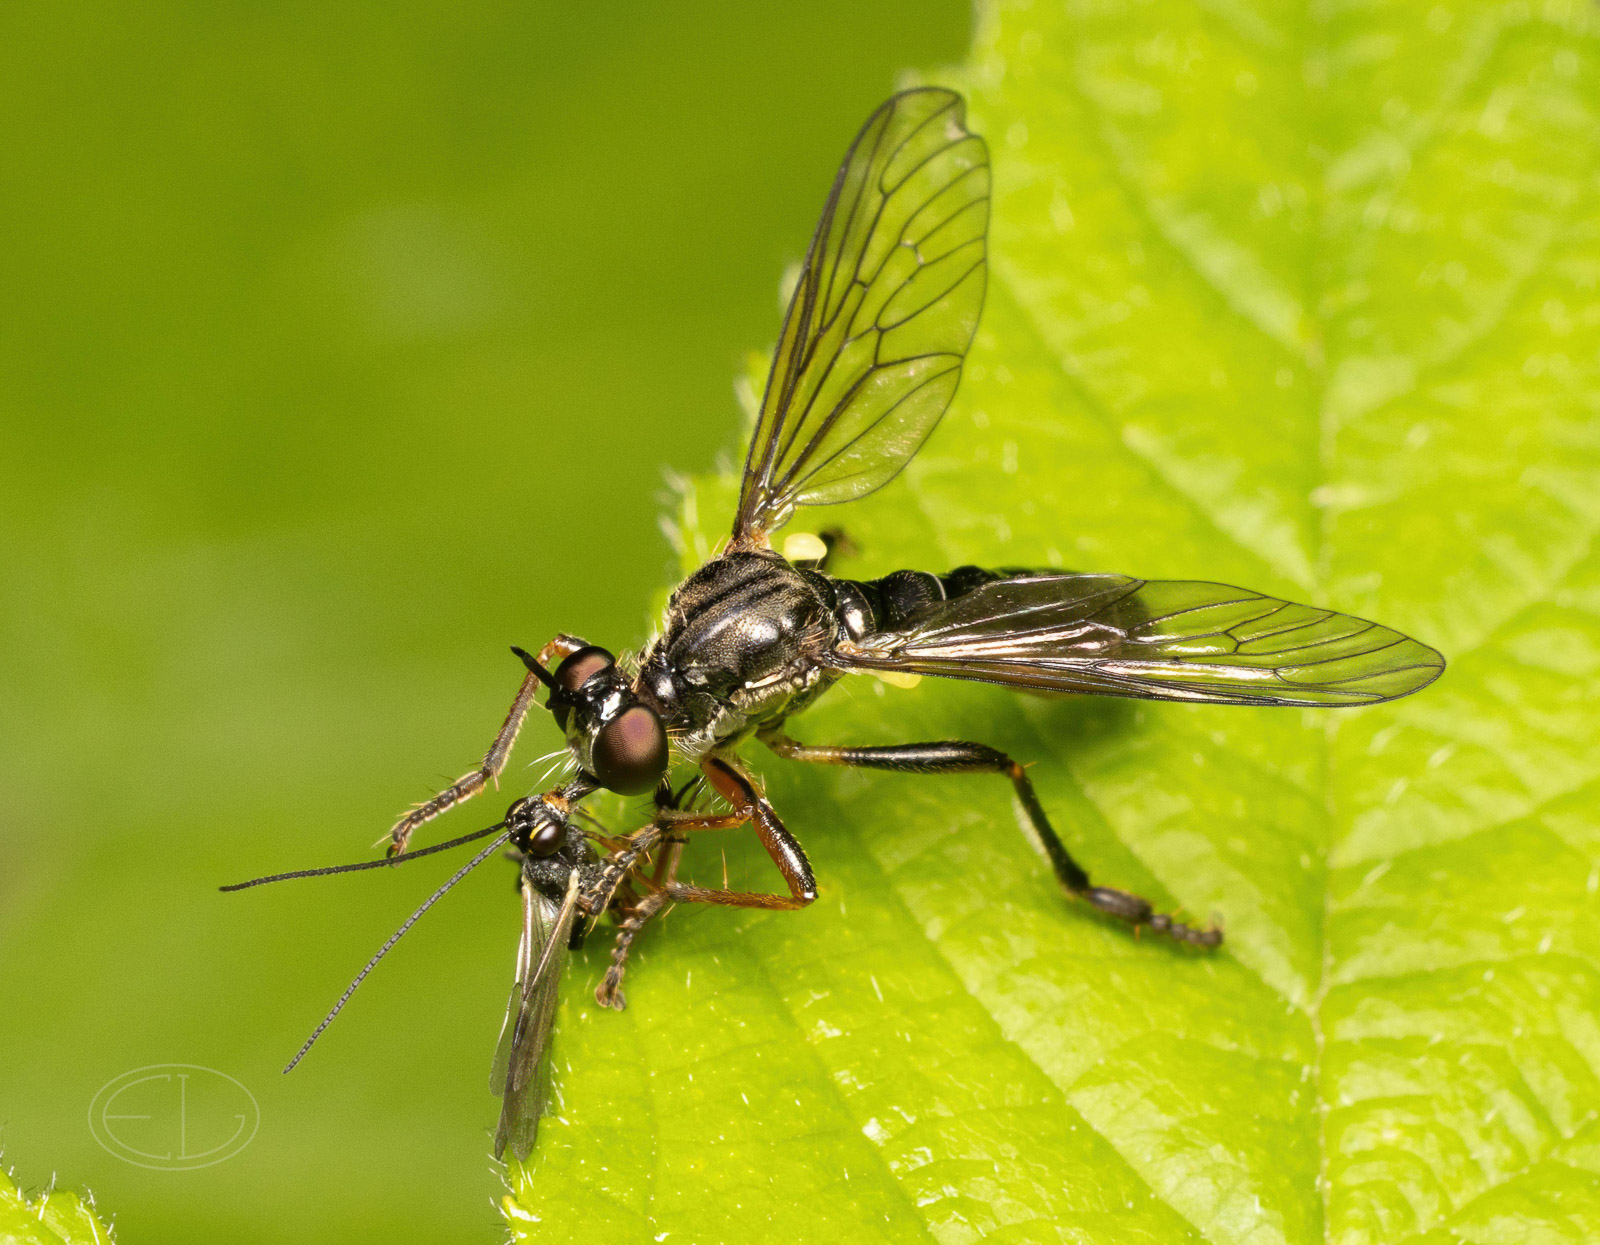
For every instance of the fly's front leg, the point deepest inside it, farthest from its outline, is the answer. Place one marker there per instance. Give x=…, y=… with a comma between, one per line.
x=749, y=805
x=469, y=785
x=494, y=761
x=666, y=831
x=960, y=757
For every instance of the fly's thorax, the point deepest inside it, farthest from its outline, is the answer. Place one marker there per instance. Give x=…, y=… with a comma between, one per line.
x=741, y=634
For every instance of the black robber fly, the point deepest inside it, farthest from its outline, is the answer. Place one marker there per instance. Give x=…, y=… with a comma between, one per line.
x=869, y=358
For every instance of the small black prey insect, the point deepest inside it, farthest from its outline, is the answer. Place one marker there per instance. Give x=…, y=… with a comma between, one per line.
x=870, y=354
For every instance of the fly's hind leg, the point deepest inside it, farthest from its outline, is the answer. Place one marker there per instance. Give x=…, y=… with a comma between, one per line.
x=960, y=757
x=469, y=785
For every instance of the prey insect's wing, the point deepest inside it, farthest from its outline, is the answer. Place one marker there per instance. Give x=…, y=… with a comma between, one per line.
x=885, y=308
x=521, y=1074
x=1112, y=635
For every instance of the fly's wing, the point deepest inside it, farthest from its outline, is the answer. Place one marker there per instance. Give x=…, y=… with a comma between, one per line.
x=886, y=305
x=1111, y=635
x=521, y=1074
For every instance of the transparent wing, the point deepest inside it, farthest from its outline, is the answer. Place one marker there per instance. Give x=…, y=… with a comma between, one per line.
x=886, y=305
x=521, y=1073
x=1111, y=635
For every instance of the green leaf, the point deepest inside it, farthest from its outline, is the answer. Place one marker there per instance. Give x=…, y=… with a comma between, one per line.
x=51, y=1218
x=1301, y=298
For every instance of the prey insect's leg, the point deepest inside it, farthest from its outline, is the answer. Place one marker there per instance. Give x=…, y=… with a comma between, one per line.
x=959, y=757
x=667, y=830
x=468, y=785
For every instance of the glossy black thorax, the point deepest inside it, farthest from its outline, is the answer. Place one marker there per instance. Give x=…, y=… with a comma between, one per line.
x=744, y=638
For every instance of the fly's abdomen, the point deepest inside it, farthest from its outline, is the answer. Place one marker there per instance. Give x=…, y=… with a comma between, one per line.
x=897, y=600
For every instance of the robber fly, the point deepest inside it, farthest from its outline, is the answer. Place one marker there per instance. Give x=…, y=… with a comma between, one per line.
x=869, y=358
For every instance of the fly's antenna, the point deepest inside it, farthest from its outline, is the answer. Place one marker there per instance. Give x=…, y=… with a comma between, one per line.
x=532, y=662
x=394, y=938
x=387, y=863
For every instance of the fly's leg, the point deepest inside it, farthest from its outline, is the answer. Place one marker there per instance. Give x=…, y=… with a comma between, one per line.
x=469, y=785
x=620, y=866
x=959, y=757
x=750, y=807
x=609, y=992
x=664, y=888
x=635, y=911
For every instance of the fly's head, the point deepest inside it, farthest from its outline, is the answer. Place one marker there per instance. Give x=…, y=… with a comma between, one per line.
x=613, y=733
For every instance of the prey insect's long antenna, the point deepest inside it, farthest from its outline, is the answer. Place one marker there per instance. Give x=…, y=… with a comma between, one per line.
x=387, y=862
x=394, y=938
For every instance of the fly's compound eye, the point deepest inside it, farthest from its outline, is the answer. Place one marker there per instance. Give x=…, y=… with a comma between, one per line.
x=574, y=672
x=630, y=751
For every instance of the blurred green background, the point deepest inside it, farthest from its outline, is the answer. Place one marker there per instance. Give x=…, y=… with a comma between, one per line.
x=344, y=346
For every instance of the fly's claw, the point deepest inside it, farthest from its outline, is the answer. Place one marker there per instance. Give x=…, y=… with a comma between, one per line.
x=609, y=992
x=1138, y=913
x=462, y=789
x=1211, y=936
x=399, y=837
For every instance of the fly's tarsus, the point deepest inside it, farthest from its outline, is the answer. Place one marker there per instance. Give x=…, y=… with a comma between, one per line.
x=1137, y=912
x=954, y=756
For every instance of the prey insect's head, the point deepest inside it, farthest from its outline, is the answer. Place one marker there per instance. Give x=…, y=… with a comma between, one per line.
x=552, y=847
x=538, y=825
x=614, y=734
